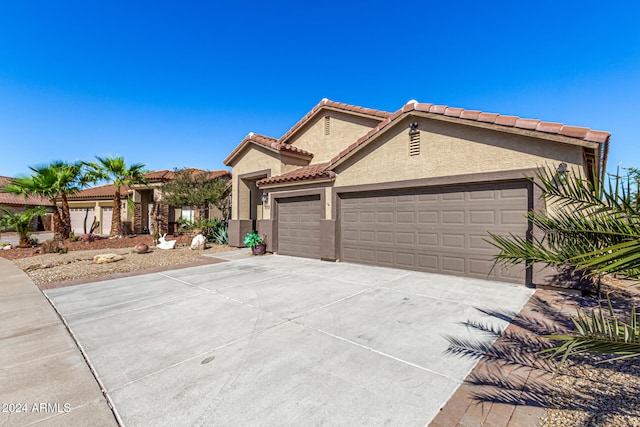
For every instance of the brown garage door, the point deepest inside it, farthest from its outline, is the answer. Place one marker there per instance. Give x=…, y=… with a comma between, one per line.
x=299, y=226
x=435, y=230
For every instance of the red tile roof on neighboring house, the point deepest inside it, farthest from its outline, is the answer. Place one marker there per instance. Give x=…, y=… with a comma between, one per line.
x=326, y=103
x=581, y=133
x=17, y=200
x=100, y=192
x=108, y=191
x=164, y=175
x=267, y=142
x=311, y=172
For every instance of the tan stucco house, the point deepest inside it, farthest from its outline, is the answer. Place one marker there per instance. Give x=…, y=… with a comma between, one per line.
x=97, y=203
x=418, y=188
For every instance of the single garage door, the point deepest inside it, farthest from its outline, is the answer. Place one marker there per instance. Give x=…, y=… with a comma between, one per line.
x=299, y=226
x=436, y=230
x=81, y=217
x=107, y=216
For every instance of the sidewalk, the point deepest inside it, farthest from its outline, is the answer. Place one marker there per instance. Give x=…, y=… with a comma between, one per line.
x=44, y=379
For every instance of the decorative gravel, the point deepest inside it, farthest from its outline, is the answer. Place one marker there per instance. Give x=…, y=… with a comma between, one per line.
x=48, y=268
x=591, y=394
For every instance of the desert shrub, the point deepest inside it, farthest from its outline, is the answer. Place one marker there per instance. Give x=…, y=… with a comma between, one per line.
x=89, y=238
x=49, y=247
x=73, y=237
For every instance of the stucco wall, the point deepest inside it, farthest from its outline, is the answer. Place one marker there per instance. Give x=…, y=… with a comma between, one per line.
x=251, y=160
x=345, y=129
x=448, y=149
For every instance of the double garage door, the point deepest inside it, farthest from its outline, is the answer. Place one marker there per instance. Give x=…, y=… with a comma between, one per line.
x=82, y=219
x=441, y=230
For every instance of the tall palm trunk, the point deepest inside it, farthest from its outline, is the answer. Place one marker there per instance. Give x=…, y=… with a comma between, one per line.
x=66, y=216
x=116, y=221
x=58, y=232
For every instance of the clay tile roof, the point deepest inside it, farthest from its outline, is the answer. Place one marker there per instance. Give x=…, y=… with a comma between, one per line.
x=99, y=192
x=549, y=127
x=506, y=120
x=527, y=123
x=337, y=105
x=305, y=173
x=268, y=142
x=16, y=200
x=164, y=175
x=574, y=131
x=453, y=112
x=584, y=134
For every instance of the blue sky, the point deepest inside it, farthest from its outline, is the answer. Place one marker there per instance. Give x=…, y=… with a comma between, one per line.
x=176, y=84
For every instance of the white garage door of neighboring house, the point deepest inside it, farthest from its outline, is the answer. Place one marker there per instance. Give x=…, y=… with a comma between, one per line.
x=80, y=217
x=107, y=216
x=434, y=229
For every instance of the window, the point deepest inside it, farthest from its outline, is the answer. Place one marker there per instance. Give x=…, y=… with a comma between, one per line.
x=327, y=125
x=414, y=142
x=187, y=213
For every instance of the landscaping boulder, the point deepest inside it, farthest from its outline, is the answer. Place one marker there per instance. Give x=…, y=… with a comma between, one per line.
x=140, y=248
x=6, y=247
x=198, y=242
x=107, y=258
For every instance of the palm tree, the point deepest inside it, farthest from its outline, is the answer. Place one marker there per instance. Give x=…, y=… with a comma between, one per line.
x=53, y=181
x=116, y=171
x=21, y=222
x=596, y=229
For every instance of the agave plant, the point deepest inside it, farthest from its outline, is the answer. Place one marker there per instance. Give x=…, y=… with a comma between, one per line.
x=596, y=229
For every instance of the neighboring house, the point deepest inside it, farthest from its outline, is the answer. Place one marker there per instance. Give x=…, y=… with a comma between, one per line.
x=417, y=189
x=97, y=202
x=15, y=203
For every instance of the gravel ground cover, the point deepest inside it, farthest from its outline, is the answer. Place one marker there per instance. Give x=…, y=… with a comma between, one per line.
x=590, y=394
x=78, y=263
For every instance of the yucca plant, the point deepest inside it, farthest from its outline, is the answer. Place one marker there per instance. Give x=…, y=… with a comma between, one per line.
x=594, y=227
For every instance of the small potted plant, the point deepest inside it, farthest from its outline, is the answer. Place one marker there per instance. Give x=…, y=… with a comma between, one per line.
x=256, y=242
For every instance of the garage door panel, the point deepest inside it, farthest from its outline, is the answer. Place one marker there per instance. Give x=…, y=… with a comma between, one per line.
x=482, y=217
x=299, y=226
x=453, y=264
x=427, y=262
x=512, y=217
x=435, y=230
x=405, y=238
x=427, y=217
x=453, y=217
x=453, y=241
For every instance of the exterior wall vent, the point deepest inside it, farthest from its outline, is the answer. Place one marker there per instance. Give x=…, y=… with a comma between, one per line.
x=327, y=125
x=414, y=142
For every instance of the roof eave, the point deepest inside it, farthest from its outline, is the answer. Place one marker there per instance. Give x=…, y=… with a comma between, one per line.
x=296, y=183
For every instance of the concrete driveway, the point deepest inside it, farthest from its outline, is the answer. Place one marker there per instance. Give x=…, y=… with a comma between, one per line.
x=277, y=340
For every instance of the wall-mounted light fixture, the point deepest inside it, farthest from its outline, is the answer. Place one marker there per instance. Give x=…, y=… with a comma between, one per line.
x=265, y=197
x=413, y=126
x=562, y=168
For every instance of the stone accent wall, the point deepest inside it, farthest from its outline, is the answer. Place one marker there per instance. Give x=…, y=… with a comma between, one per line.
x=137, y=218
